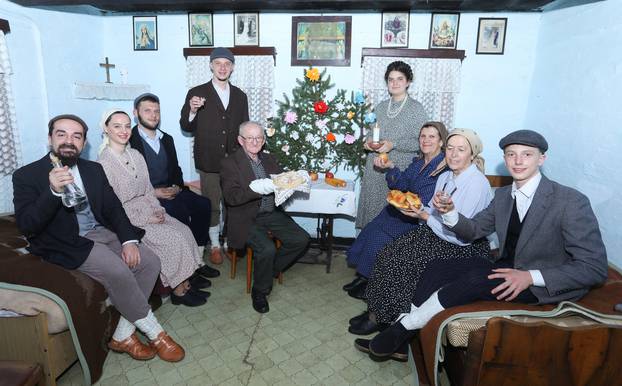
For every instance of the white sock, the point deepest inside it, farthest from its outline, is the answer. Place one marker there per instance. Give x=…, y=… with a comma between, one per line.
x=201, y=250
x=214, y=232
x=149, y=325
x=418, y=317
x=124, y=330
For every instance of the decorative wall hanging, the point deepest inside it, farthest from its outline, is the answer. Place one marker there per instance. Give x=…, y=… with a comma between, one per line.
x=145, y=33
x=246, y=29
x=395, y=26
x=444, y=30
x=491, y=36
x=200, y=29
x=321, y=40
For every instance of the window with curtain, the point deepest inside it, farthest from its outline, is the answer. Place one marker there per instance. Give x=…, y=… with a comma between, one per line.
x=10, y=150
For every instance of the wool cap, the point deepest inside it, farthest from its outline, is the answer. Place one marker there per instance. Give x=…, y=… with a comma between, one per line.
x=144, y=96
x=440, y=127
x=221, y=52
x=71, y=117
x=525, y=137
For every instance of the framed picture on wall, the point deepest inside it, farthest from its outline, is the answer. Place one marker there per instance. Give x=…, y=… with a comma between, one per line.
x=200, y=29
x=444, y=30
x=321, y=40
x=395, y=29
x=145, y=33
x=246, y=29
x=491, y=36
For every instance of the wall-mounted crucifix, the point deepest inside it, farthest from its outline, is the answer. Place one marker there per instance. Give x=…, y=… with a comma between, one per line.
x=108, y=66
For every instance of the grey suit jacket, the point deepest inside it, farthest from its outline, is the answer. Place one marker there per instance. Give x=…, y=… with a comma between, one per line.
x=560, y=237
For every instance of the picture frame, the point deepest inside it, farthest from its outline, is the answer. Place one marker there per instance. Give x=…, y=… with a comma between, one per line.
x=444, y=31
x=246, y=29
x=321, y=41
x=145, y=33
x=491, y=35
x=395, y=27
x=201, y=29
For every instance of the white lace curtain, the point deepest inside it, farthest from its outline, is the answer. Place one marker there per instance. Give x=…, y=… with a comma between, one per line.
x=10, y=149
x=436, y=84
x=253, y=74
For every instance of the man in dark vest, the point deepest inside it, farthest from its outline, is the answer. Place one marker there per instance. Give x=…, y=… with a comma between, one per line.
x=551, y=249
x=213, y=112
x=165, y=175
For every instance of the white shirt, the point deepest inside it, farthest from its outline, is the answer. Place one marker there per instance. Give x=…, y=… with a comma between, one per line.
x=524, y=198
x=154, y=142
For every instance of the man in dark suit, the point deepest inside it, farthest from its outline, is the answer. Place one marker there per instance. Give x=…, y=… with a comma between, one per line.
x=165, y=175
x=551, y=249
x=94, y=237
x=252, y=214
x=213, y=112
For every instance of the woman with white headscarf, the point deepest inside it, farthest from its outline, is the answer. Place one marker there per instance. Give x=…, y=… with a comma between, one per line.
x=169, y=239
x=399, y=265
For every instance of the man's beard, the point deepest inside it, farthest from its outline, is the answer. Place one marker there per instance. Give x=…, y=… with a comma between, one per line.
x=68, y=160
x=146, y=125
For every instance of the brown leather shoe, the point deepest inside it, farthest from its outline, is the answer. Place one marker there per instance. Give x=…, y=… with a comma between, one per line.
x=167, y=349
x=133, y=347
x=215, y=256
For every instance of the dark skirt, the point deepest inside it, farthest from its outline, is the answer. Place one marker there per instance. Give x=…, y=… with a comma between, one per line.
x=400, y=264
x=382, y=230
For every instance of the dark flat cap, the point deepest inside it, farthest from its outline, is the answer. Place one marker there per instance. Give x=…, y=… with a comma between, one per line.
x=144, y=96
x=221, y=52
x=71, y=117
x=525, y=137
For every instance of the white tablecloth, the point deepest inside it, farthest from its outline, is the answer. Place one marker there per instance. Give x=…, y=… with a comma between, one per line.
x=324, y=199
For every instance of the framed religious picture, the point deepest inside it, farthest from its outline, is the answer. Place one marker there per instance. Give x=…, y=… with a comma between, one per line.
x=145, y=33
x=395, y=29
x=491, y=36
x=321, y=40
x=200, y=29
x=444, y=30
x=246, y=29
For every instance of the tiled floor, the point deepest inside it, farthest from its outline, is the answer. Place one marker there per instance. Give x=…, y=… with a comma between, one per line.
x=303, y=340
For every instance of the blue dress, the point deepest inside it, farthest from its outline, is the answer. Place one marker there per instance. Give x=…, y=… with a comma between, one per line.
x=391, y=223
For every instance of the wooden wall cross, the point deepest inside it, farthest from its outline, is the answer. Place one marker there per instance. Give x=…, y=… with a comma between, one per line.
x=108, y=66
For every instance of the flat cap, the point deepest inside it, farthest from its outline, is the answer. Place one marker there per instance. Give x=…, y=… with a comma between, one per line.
x=144, y=96
x=70, y=117
x=525, y=137
x=221, y=52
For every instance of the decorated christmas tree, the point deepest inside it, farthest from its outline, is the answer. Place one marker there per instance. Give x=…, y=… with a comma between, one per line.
x=314, y=133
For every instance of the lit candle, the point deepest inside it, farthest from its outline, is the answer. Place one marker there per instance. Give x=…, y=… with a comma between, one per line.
x=375, y=134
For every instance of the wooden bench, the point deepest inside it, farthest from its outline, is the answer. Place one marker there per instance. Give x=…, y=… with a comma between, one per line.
x=26, y=338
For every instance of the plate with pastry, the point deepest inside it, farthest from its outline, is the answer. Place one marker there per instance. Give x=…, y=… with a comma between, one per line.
x=404, y=201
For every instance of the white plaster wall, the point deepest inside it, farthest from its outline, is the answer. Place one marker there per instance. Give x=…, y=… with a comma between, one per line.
x=493, y=96
x=575, y=102
x=49, y=51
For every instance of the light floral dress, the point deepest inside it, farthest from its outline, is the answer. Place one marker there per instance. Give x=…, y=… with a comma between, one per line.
x=171, y=241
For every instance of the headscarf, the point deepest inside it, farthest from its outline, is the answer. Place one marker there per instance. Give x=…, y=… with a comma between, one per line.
x=102, y=124
x=476, y=145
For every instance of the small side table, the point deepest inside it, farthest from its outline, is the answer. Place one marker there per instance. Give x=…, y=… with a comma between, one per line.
x=18, y=373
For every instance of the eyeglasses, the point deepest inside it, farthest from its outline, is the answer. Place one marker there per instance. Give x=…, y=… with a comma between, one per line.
x=252, y=139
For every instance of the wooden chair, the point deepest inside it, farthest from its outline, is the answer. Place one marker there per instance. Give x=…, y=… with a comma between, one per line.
x=249, y=264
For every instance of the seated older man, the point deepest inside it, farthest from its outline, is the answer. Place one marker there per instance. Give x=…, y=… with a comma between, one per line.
x=252, y=215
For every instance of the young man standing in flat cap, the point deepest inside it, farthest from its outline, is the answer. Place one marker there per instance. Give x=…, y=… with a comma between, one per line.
x=165, y=175
x=551, y=249
x=213, y=112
